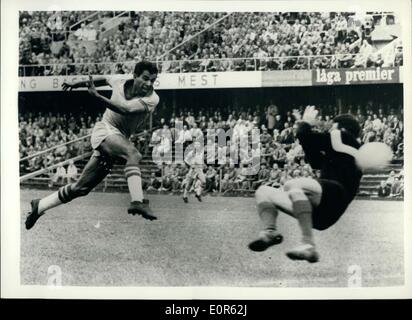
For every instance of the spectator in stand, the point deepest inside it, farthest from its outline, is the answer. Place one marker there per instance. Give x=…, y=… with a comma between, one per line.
x=59, y=176
x=175, y=178
x=278, y=123
x=91, y=33
x=389, y=137
x=187, y=135
x=274, y=176
x=399, y=150
x=272, y=111
x=229, y=177
x=211, y=176
x=378, y=62
x=81, y=33
x=397, y=187
x=398, y=60
x=167, y=178
x=196, y=133
x=364, y=55
x=396, y=124
x=263, y=177
x=384, y=190
x=72, y=172
x=154, y=183
x=391, y=178
x=376, y=123
x=286, y=136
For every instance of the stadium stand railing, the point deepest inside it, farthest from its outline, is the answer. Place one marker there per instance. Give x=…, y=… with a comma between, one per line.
x=206, y=65
x=42, y=171
x=84, y=20
x=107, y=28
x=116, y=182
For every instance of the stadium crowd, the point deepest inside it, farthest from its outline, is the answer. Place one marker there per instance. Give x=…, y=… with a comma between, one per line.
x=271, y=41
x=393, y=186
x=281, y=41
x=39, y=132
x=39, y=30
x=281, y=156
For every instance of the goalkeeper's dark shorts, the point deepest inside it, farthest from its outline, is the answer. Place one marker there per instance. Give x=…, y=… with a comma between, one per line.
x=332, y=206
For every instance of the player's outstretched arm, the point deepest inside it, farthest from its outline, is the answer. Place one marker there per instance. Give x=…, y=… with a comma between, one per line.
x=98, y=82
x=313, y=143
x=309, y=115
x=127, y=107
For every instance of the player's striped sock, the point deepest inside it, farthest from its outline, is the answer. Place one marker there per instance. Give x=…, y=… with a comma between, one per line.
x=65, y=193
x=198, y=189
x=185, y=190
x=134, y=182
x=55, y=199
x=302, y=209
x=268, y=214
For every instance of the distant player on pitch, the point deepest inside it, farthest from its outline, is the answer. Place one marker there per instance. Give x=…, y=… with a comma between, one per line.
x=195, y=159
x=316, y=204
x=131, y=101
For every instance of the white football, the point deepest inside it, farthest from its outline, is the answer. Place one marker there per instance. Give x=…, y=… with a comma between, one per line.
x=374, y=155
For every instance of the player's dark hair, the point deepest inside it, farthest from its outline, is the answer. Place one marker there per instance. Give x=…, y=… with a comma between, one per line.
x=349, y=123
x=145, y=65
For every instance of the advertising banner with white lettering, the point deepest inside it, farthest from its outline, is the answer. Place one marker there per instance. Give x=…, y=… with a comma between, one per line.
x=49, y=83
x=210, y=80
x=286, y=78
x=200, y=80
x=327, y=77
x=240, y=79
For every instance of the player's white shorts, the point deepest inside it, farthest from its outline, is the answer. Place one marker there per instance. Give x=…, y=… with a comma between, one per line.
x=196, y=173
x=100, y=132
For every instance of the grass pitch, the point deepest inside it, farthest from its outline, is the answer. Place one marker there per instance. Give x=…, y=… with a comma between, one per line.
x=96, y=243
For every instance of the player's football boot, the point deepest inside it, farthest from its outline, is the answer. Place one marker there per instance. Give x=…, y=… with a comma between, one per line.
x=185, y=199
x=198, y=198
x=304, y=252
x=33, y=215
x=141, y=208
x=267, y=238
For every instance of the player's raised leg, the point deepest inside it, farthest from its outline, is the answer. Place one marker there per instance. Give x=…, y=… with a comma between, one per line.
x=200, y=183
x=198, y=190
x=269, y=201
x=118, y=146
x=188, y=186
x=94, y=172
x=296, y=199
x=304, y=194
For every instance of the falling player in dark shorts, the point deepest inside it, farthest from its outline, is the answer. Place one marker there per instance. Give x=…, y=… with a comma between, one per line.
x=131, y=101
x=315, y=203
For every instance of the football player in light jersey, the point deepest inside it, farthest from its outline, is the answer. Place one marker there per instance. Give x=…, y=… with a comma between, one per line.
x=195, y=159
x=131, y=102
x=315, y=203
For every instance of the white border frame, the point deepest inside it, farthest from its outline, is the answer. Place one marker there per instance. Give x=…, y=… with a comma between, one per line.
x=10, y=188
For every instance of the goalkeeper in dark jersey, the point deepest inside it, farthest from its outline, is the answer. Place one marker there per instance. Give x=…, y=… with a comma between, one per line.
x=315, y=203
